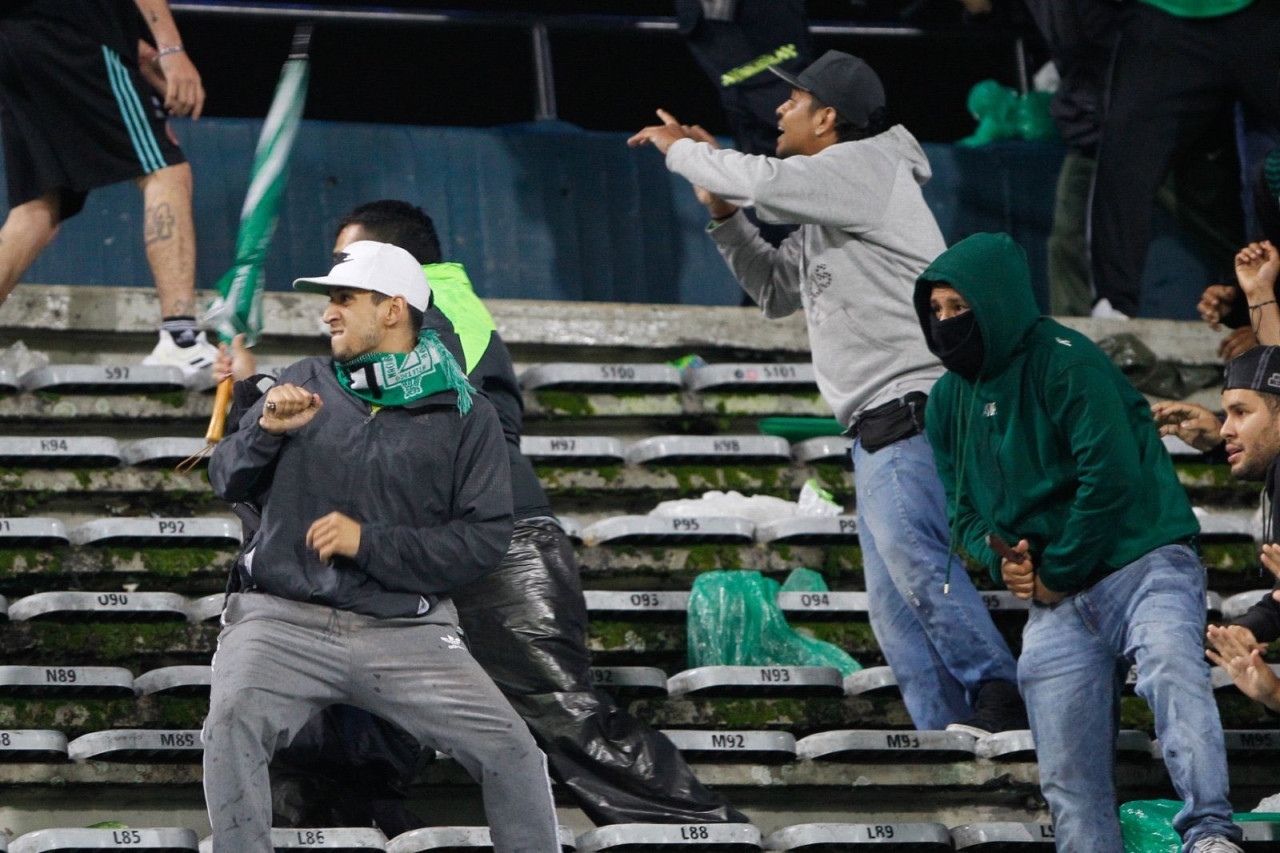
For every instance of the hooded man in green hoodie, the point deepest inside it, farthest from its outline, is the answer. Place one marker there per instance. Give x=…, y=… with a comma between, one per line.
x=1041, y=441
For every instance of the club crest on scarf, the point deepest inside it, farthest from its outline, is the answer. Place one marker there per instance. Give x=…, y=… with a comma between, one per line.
x=394, y=379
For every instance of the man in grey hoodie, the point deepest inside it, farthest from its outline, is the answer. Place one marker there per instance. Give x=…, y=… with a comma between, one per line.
x=852, y=181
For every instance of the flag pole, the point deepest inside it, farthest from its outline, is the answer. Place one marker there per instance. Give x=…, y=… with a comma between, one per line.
x=238, y=306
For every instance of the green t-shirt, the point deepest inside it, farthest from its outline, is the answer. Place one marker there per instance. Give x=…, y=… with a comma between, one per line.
x=1199, y=8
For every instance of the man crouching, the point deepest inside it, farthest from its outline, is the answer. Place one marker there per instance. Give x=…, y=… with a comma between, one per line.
x=383, y=483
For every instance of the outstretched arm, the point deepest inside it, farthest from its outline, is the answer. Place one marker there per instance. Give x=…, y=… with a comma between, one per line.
x=1192, y=423
x=661, y=136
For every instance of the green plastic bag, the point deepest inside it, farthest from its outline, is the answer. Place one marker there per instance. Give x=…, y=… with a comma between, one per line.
x=804, y=580
x=1147, y=826
x=734, y=620
x=1002, y=113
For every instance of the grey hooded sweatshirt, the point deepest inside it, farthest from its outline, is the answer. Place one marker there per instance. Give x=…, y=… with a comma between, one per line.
x=865, y=234
x=431, y=489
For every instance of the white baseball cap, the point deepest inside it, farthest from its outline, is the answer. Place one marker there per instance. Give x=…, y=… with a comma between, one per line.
x=380, y=267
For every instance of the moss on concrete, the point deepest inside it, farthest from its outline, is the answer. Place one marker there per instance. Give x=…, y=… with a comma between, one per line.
x=76, y=717
x=118, y=644
x=15, y=563
x=171, y=562
x=172, y=399
x=565, y=403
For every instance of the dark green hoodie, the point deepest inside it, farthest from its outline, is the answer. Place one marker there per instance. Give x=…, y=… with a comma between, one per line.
x=1050, y=443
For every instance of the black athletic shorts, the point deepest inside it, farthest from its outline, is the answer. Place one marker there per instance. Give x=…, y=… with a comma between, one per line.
x=74, y=114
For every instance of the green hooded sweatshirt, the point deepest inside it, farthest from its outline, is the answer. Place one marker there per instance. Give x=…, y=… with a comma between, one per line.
x=1050, y=443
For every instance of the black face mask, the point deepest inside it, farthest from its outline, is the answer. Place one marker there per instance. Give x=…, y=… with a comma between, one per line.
x=958, y=343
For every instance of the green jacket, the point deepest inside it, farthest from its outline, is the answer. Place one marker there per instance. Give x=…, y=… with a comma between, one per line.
x=453, y=294
x=1051, y=443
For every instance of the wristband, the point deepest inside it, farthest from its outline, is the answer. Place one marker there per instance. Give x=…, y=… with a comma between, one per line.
x=166, y=51
x=1260, y=304
x=724, y=218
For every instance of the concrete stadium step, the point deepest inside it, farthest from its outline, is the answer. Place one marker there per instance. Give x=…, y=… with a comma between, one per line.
x=630, y=682
x=207, y=608
x=1018, y=745
x=190, y=532
x=1002, y=836
x=460, y=839
x=908, y=837
x=634, y=378
x=23, y=745
x=65, y=840
x=100, y=607
x=186, y=680
x=147, y=746
x=756, y=747
x=777, y=681
x=163, y=452
x=59, y=452
x=65, y=681
x=824, y=450
x=1238, y=604
x=872, y=745
x=656, y=530
x=1260, y=836
x=874, y=680
x=809, y=530
x=32, y=532
x=657, y=838
x=573, y=450
x=752, y=378
x=103, y=379
x=710, y=450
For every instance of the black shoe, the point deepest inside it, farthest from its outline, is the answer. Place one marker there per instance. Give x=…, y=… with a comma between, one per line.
x=998, y=707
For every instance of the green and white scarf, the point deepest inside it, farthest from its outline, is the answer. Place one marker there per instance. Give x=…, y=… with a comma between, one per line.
x=397, y=378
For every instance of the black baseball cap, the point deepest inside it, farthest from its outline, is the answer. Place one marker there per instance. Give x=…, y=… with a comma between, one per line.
x=843, y=82
x=1256, y=369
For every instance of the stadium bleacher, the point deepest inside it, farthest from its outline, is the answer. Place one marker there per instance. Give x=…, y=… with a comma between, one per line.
x=112, y=567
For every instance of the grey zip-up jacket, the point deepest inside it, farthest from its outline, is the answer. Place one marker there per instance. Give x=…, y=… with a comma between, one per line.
x=430, y=488
x=865, y=235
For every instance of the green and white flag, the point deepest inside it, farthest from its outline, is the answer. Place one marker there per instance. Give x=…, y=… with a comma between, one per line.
x=238, y=308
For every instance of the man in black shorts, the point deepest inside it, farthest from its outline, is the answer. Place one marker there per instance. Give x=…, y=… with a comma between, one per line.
x=76, y=113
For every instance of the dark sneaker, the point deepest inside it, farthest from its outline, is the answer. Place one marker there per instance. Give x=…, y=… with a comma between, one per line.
x=997, y=708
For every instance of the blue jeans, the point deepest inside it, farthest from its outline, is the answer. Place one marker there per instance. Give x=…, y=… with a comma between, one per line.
x=941, y=647
x=1074, y=657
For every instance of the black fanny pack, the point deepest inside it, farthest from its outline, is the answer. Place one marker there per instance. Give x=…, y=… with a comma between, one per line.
x=893, y=421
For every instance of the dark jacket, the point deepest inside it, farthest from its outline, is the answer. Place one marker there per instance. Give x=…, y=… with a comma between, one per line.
x=490, y=369
x=1263, y=618
x=1055, y=445
x=431, y=489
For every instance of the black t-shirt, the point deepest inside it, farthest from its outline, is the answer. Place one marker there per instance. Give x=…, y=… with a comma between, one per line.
x=116, y=23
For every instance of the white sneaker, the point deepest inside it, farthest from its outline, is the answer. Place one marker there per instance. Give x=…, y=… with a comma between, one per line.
x=191, y=359
x=1103, y=310
x=1215, y=844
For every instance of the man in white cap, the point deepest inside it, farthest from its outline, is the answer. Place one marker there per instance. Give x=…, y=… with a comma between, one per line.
x=383, y=482
x=852, y=181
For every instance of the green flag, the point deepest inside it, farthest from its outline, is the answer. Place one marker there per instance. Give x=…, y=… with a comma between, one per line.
x=238, y=307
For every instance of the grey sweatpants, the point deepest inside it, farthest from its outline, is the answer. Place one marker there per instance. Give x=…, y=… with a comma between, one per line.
x=279, y=661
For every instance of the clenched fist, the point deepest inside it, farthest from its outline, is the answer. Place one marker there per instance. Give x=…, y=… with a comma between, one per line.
x=288, y=407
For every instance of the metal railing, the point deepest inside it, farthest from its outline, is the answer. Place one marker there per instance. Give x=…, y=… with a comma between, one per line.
x=539, y=26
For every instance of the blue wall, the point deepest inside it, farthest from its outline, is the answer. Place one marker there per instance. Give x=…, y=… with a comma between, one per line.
x=542, y=211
